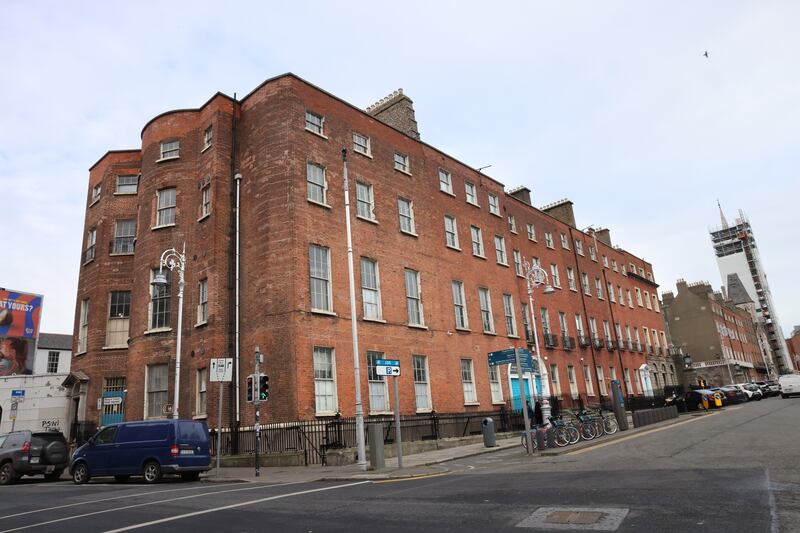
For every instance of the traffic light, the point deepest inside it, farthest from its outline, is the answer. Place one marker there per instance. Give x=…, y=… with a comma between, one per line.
x=250, y=388
x=263, y=387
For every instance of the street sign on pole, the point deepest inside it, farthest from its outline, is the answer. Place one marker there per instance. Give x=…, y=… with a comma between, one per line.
x=221, y=369
x=18, y=393
x=387, y=367
x=505, y=357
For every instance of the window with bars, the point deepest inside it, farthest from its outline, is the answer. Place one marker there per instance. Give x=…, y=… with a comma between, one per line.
x=413, y=298
x=486, y=310
x=124, y=236
x=459, y=305
x=166, y=207
x=405, y=210
x=160, y=297
x=317, y=184
x=325, y=381
x=320, y=275
x=119, y=317
x=422, y=391
x=378, y=388
x=468, y=381
x=156, y=390
x=114, y=384
x=370, y=289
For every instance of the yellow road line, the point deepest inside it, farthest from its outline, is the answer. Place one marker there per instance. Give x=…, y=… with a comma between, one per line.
x=412, y=478
x=636, y=436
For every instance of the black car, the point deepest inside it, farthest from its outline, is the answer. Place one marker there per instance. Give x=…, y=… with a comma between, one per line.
x=25, y=453
x=733, y=395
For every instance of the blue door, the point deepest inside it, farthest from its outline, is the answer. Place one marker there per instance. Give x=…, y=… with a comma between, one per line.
x=515, y=392
x=113, y=407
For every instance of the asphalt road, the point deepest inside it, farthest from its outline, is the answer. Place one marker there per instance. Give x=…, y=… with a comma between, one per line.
x=735, y=470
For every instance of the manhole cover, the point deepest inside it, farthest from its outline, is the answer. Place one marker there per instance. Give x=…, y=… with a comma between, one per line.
x=576, y=518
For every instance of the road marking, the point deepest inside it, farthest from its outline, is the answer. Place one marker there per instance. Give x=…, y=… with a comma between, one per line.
x=773, y=508
x=108, y=499
x=412, y=478
x=93, y=513
x=642, y=434
x=232, y=506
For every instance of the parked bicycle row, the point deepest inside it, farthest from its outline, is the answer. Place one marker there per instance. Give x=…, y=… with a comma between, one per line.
x=570, y=429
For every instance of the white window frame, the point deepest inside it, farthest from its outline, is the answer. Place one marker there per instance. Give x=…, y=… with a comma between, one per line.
x=571, y=279
x=205, y=201
x=160, y=295
x=363, y=148
x=325, y=390
x=378, y=385
x=201, y=398
x=487, y=318
x=573, y=384
x=512, y=224
x=554, y=276
x=500, y=250
x=402, y=162
x=445, y=182
x=587, y=289
x=548, y=240
x=579, y=247
x=459, y=305
x=638, y=292
x=477, y=245
x=208, y=138
x=414, y=297
x=170, y=150
x=422, y=384
x=324, y=281
x=531, y=232
x=148, y=403
x=202, y=301
x=511, y=319
x=83, y=328
x=118, y=325
x=554, y=383
x=368, y=290
x=564, y=241
x=605, y=260
x=598, y=288
x=315, y=123
x=408, y=217
x=517, y=263
x=124, y=236
x=313, y=188
x=495, y=385
x=494, y=204
x=121, y=187
x=588, y=381
x=468, y=381
x=601, y=381
x=166, y=212
x=471, y=193
x=365, y=201
x=592, y=253
x=451, y=232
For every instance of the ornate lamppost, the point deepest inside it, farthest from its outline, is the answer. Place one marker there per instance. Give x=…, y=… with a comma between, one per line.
x=535, y=277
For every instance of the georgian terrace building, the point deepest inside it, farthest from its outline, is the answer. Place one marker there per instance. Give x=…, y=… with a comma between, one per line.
x=438, y=250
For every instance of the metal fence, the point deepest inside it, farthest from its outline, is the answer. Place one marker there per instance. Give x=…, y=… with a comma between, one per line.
x=314, y=438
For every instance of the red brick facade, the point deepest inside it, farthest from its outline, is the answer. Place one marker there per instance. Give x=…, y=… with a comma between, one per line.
x=278, y=225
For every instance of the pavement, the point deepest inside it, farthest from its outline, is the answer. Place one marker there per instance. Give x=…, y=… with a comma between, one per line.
x=422, y=464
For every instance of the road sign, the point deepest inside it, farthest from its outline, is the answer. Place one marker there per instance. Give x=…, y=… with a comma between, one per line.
x=387, y=367
x=13, y=414
x=221, y=369
x=112, y=400
x=18, y=393
x=505, y=357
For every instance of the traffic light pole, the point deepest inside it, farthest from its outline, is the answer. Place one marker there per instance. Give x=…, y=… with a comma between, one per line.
x=257, y=403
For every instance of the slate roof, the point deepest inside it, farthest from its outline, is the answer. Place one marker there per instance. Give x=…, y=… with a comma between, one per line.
x=55, y=341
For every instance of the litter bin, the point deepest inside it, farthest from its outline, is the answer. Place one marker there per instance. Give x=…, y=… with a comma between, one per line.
x=487, y=426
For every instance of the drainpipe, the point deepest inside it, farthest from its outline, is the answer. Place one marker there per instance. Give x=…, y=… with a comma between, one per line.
x=238, y=178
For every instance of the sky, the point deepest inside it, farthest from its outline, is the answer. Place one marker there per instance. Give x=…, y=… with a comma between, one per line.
x=610, y=104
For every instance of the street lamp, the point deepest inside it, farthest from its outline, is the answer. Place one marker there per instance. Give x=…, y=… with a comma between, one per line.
x=536, y=276
x=172, y=259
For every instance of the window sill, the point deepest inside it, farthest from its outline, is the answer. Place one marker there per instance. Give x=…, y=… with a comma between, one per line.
x=365, y=219
x=498, y=215
x=202, y=218
x=378, y=413
x=124, y=194
x=200, y=417
x=118, y=254
x=514, y=232
x=157, y=330
x=409, y=233
x=573, y=289
x=533, y=240
x=581, y=254
x=502, y=264
x=479, y=256
x=89, y=261
x=323, y=312
x=550, y=247
x=377, y=320
x=174, y=157
x=201, y=324
x=475, y=205
x=465, y=330
x=363, y=154
x=424, y=411
x=456, y=248
x=154, y=228
x=565, y=249
x=400, y=170
x=106, y=348
x=78, y=354
x=492, y=333
x=471, y=403
x=325, y=414
x=448, y=193
x=205, y=149
x=320, y=135
x=326, y=206
x=417, y=326
x=594, y=259
x=513, y=336
x=501, y=402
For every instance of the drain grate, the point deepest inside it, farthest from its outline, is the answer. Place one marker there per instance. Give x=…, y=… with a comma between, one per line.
x=576, y=518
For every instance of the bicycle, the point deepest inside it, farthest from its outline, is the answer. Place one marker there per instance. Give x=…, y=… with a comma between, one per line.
x=598, y=425
x=565, y=433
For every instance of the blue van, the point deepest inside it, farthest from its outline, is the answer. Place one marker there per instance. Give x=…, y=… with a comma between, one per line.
x=149, y=448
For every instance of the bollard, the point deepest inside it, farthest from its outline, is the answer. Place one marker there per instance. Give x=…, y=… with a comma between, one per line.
x=377, y=460
x=540, y=438
x=487, y=426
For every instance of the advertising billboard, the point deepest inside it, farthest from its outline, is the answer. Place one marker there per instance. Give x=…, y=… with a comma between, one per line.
x=19, y=328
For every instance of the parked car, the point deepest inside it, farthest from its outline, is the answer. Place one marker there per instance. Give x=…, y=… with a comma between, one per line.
x=694, y=399
x=721, y=394
x=733, y=395
x=790, y=385
x=25, y=453
x=773, y=387
x=752, y=390
x=148, y=448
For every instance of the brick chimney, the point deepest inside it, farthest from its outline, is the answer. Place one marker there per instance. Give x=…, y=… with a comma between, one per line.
x=561, y=210
x=521, y=193
x=603, y=235
x=396, y=110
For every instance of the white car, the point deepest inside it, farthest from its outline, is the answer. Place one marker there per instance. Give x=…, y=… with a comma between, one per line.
x=751, y=390
x=790, y=384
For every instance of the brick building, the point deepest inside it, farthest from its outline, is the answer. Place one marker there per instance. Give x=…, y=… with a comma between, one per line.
x=437, y=252
x=718, y=332
x=793, y=344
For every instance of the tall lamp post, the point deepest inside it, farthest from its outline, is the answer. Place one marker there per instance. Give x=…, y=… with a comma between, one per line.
x=537, y=276
x=173, y=259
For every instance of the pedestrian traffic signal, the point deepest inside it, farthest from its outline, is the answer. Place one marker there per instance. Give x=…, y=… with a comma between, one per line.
x=250, y=387
x=263, y=387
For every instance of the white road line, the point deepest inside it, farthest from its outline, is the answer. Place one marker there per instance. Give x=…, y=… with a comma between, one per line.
x=110, y=499
x=147, y=504
x=773, y=508
x=232, y=506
